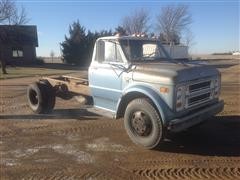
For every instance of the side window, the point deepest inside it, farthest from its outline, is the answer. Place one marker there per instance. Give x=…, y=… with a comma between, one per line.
x=112, y=53
x=107, y=52
x=119, y=57
x=100, y=49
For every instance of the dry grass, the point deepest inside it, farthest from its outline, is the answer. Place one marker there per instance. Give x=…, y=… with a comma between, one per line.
x=19, y=72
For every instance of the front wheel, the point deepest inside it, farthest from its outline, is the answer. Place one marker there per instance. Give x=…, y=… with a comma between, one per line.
x=143, y=123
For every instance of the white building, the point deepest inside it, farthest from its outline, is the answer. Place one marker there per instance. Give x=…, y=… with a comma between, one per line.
x=236, y=53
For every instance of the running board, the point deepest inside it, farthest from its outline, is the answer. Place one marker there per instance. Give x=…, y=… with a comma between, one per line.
x=102, y=112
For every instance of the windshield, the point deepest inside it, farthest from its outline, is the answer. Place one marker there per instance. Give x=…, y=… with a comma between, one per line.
x=142, y=50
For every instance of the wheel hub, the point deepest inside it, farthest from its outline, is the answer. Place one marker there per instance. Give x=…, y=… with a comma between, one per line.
x=141, y=123
x=33, y=97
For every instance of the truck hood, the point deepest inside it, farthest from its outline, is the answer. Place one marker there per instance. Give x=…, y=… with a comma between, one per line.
x=171, y=72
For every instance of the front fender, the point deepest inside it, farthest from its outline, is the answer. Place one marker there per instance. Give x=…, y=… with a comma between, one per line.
x=163, y=109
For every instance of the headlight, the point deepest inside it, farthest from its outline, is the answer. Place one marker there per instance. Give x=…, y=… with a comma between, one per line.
x=180, y=98
x=217, y=86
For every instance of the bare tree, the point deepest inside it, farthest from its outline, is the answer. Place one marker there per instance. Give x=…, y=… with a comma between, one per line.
x=173, y=21
x=137, y=22
x=10, y=15
x=7, y=8
x=188, y=38
x=2, y=60
x=121, y=31
x=19, y=17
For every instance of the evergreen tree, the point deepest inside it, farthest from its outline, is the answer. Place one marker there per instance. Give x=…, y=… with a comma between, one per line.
x=74, y=47
x=121, y=31
x=77, y=49
x=90, y=40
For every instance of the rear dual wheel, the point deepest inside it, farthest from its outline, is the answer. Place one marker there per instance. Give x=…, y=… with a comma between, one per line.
x=41, y=97
x=143, y=123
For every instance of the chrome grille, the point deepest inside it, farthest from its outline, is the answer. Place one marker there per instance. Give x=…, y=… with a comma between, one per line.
x=198, y=93
x=199, y=86
x=197, y=99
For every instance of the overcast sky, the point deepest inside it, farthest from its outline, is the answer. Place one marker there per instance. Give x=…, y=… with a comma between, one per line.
x=215, y=26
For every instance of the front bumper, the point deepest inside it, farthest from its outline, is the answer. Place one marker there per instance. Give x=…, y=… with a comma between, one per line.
x=179, y=124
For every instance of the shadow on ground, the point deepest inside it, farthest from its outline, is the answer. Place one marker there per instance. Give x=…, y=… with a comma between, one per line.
x=220, y=136
x=78, y=114
x=219, y=66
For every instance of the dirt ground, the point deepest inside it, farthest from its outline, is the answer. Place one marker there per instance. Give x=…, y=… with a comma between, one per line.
x=73, y=143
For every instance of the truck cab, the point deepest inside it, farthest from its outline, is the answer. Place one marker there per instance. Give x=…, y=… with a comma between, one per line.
x=135, y=78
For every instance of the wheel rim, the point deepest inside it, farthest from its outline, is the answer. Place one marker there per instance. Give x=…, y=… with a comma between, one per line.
x=33, y=97
x=141, y=123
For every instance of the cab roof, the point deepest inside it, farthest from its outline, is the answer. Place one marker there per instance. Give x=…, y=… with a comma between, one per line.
x=126, y=38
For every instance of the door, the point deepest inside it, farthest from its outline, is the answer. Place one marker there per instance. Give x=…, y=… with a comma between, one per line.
x=105, y=75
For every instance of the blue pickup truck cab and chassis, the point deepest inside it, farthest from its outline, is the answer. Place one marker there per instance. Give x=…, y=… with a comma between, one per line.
x=134, y=78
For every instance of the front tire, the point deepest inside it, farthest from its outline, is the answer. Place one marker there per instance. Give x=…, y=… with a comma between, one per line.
x=143, y=123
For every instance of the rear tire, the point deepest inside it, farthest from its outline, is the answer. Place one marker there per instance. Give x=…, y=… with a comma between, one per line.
x=50, y=96
x=41, y=97
x=143, y=123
